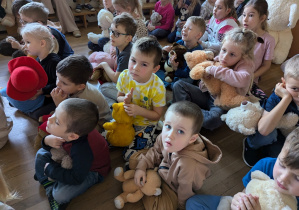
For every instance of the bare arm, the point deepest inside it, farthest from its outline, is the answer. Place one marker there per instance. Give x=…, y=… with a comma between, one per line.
x=111, y=74
x=263, y=68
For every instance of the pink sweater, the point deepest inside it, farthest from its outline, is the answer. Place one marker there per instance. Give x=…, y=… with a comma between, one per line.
x=167, y=13
x=240, y=76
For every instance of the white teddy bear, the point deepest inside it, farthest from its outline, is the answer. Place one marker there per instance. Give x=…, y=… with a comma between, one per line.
x=244, y=119
x=269, y=197
x=105, y=19
x=283, y=16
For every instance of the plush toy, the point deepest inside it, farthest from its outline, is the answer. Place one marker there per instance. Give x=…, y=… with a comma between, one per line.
x=226, y=95
x=8, y=19
x=178, y=51
x=99, y=74
x=283, y=16
x=121, y=132
x=155, y=18
x=104, y=21
x=244, y=119
x=61, y=156
x=7, y=50
x=133, y=193
x=269, y=197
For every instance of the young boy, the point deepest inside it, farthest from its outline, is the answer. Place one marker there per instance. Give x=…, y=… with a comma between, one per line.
x=72, y=128
x=268, y=141
x=37, y=12
x=142, y=92
x=122, y=30
x=182, y=154
x=73, y=73
x=284, y=170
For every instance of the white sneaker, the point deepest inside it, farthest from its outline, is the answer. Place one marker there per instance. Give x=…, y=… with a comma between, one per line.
x=77, y=33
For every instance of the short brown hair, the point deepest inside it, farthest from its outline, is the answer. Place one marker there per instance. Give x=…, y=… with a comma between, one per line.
x=76, y=68
x=291, y=146
x=199, y=22
x=36, y=11
x=149, y=46
x=82, y=115
x=189, y=110
x=127, y=21
x=292, y=68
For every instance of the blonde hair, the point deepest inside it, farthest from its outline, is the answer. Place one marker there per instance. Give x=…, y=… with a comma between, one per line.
x=244, y=38
x=199, y=22
x=5, y=193
x=36, y=11
x=40, y=32
x=134, y=5
x=292, y=68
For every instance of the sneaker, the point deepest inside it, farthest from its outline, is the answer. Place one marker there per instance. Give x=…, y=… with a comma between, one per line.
x=54, y=205
x=77, y=33
x=250, y=156
x=78, y=8
x=89, y=7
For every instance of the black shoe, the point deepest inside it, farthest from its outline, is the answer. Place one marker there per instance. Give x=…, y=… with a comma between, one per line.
x=250, y=156
x=35, y=178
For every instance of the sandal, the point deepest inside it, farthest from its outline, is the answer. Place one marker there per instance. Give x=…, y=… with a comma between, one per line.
x=78, y=8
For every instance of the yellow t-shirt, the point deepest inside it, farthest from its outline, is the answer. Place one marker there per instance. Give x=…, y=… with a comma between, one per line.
x=147, y=95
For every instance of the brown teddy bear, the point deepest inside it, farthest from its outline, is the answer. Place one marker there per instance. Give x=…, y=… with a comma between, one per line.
x=225, y=95
x=131, y=192
x=178, y=51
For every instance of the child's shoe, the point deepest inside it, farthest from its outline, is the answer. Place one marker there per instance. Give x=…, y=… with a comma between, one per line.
x=54, y=205
x=89, y=7
x=250, y=156
x=78, y=8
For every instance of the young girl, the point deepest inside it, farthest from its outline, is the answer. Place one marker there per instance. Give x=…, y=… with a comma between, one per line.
x=102, y=41
x=224, y=19
x=40, y=42
x=237, y=67
x=184, y=9
x=135, y=9
x=254, y=18
x=165, y=9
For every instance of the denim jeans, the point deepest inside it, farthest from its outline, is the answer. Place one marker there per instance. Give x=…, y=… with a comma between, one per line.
x=203, y=202
x=100, y=45
x=61, y=192
x=172, y=37
x=257, y=140
x=159, y=33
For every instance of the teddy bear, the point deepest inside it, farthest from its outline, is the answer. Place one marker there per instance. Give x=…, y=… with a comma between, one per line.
x=225, y=95
x=133, y=193
x=7, y=19
x=283, y=16
x=99, y=74
x=178, y=51
x=7, y=50
x=244, y=119
x=105, y=19
x=269, y=197
x=155, y=18
x=61, y=156
x=121, y=132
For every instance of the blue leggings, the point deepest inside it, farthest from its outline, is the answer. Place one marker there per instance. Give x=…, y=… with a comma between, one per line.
x=203, y=202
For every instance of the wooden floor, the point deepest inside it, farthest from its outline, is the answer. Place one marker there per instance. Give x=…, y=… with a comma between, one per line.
x=17, y=156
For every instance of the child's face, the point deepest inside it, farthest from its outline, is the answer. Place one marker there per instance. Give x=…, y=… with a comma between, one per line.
x=32, y=45
x=177, y=132
x=57, y=123
x=252, y=19
x=292, y=86
x=220, y=11
x=122, y=40
x=190, y=32
x=141, y=66
x=107, y=3
x=230, y=54
x=67, y=86
x=119, y=10
x=286, y=179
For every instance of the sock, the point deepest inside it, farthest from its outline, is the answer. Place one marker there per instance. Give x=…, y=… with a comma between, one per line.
x=54, y=205
x=46, y=183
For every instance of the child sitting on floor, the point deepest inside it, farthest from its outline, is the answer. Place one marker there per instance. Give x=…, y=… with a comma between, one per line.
x=72, y=128
x=182, y=155
x=142, y=92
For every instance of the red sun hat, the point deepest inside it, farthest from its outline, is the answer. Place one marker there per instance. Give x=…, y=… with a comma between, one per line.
x=26, y=77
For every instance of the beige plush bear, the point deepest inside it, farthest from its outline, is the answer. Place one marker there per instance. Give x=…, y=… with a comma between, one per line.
x=133, y=193
x=283, y=16
x=269, y=197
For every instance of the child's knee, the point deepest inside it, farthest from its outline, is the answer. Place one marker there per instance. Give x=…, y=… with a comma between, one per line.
x=60, y=196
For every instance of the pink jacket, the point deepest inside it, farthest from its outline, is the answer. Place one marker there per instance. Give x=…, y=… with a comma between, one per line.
x=167, y=13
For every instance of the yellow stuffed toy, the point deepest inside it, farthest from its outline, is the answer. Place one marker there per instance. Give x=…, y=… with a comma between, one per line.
x=133, y=193
x=121, y=132
x=226, y=95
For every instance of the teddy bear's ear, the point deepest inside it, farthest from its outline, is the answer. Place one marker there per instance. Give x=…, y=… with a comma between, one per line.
x=259, y=175
x=174, y=44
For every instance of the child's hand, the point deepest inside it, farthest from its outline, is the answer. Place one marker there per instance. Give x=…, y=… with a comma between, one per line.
x=54, y=141
x=38, y=93
x=236, y=200
x=102, y=65
x=281, y=91
x=14, y=43
x=132, y=109
x=167, y=48
x=58, y=95
x=129, y=96
x=140, y=177
x=181, y=24
x=113, y=53
x=150, y=27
